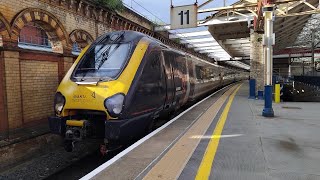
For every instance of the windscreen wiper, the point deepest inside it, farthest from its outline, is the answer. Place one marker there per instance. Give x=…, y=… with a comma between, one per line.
x=105, y=53
x=104, y=58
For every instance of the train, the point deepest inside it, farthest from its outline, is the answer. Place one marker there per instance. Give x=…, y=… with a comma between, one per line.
x=123, y=82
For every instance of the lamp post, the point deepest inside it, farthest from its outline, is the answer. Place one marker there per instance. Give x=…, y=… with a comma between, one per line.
x=268, y=42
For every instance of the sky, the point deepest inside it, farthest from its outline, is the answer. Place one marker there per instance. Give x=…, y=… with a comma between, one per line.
x=159, y=10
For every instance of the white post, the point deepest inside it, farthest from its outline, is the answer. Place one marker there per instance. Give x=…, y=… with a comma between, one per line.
x=289, y=70
x=268, y=43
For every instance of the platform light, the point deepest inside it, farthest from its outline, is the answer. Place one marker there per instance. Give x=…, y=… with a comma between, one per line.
x=220, y=53
x=213, y=51
x=198, y=40
x=204, y=45
x=206, y=48
x=189, y=34
x=239, y=64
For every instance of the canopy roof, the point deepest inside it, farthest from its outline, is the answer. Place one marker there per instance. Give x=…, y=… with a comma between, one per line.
x=225, y=35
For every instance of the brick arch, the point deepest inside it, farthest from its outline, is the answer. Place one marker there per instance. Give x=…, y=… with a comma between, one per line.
x=53, y=27
x=81, y=37
x=4, y=26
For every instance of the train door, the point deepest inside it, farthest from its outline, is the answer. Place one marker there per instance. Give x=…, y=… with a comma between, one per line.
x=180, y=78
x=150, y=92
x=170, y=86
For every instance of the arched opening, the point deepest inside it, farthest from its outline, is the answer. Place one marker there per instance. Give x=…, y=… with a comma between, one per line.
x=38, y=29
x=33, y=36
x=79, y=39
x=4, y=29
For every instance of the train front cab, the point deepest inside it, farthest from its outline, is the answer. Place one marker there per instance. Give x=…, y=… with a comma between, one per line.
x=147, y=87
x=95, y=89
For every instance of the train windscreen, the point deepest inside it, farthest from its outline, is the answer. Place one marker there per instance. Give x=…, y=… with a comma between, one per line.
x=103, y=62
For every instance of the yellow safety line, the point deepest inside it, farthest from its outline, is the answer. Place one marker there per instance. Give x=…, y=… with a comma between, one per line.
x=208, y=158
x=174, y=161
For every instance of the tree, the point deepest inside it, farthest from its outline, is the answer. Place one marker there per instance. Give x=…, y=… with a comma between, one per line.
x=115, y=5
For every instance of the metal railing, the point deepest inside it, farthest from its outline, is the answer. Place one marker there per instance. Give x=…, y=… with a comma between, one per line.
x=310, y=80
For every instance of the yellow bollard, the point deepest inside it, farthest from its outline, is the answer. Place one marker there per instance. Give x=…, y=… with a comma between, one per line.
x=277, y=93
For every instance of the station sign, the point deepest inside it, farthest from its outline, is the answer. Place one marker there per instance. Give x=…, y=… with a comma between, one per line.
x=184, y=16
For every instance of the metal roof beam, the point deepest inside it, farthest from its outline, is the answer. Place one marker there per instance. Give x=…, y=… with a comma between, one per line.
x=214, y=21
x=205, y=3
x=227, y=19
x=294, y=23
x=289, y=33
x=240, y=6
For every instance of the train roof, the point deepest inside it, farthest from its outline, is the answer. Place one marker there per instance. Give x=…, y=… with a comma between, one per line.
x=129, y=36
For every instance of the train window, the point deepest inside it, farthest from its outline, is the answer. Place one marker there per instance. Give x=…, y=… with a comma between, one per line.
x=152, y=70
x=103, y=61
x=199, y=72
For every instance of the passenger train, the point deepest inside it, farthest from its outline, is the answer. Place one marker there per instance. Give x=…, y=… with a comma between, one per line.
x=124, y=81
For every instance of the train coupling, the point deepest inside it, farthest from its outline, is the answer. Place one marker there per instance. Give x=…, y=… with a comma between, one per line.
x=76, y=130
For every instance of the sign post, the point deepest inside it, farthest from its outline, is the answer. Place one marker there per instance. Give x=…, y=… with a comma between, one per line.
x=184, y=16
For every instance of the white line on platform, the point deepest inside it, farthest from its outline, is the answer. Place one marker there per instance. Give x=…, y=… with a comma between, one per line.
x=136, y=144
x=169, y=146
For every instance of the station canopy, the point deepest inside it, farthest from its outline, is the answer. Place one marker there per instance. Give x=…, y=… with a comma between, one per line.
x=225, y=34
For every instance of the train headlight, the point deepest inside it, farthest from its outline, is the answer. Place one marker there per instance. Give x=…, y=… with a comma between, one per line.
x=59, y=102
x=114, y=104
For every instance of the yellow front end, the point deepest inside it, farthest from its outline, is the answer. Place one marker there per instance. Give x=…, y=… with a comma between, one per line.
x=92, y=96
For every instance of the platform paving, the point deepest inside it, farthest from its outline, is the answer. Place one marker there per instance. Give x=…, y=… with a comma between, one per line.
x=250, y=147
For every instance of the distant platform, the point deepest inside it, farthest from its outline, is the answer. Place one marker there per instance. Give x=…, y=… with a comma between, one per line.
x=225, y=137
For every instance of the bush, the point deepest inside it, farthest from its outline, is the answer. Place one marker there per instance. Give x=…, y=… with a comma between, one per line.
x=115, y=5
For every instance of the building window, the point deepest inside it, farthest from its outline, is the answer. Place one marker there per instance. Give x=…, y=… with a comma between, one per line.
x=76, y=49
x=32, y=36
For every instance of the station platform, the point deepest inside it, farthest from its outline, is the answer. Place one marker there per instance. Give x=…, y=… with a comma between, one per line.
x=225, y=137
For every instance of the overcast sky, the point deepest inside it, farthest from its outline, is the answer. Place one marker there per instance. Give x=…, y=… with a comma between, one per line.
x=159, y=10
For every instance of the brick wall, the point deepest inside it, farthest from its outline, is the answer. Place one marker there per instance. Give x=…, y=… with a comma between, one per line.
x=13, y=89
x=39, y=81
x=256, y=60
x=67, y=63
x=29, y=78
x=3, y=114
x=69, y=17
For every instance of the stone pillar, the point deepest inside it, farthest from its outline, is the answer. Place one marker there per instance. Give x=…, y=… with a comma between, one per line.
x=256, y=60
x=13, y=88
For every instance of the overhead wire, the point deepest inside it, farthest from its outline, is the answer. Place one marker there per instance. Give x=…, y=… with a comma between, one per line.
x=176, y=31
